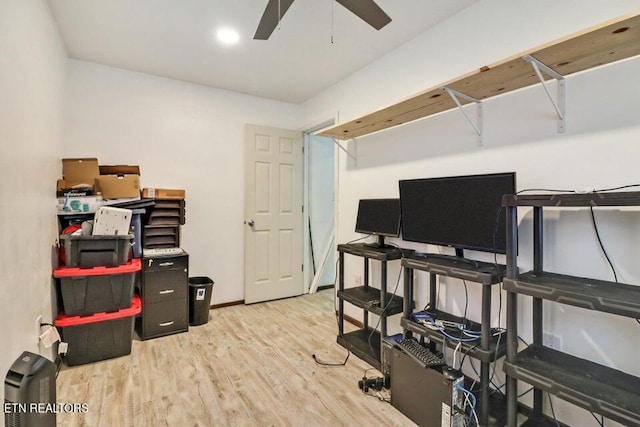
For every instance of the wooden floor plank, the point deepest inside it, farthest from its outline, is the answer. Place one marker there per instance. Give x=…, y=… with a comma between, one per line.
x=249, y=365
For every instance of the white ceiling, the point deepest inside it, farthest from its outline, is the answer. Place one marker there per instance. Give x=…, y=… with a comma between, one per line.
x=176, y=39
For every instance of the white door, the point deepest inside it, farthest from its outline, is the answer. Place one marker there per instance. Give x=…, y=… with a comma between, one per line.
x=273, y=214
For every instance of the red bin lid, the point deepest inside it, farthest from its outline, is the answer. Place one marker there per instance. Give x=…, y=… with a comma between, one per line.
x=130, y=267
x=63, y=321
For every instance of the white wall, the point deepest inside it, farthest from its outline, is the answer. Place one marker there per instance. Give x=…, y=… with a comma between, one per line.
x=182, y=135
x=599, y=149
x=32, y=77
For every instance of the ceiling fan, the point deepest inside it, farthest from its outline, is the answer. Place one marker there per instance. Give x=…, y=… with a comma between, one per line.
x=367, y=10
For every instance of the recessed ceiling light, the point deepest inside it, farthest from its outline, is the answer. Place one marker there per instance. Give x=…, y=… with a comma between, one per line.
x=227, y=36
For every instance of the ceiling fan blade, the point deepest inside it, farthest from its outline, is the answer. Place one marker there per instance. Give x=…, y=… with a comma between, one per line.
x=368, y=11
x=269, y=20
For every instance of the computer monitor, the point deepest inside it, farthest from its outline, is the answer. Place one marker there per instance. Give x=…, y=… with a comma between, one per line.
x=380, y=217
x=463, y=212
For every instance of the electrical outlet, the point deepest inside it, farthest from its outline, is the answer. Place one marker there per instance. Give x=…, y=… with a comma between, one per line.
x=357, y=279
x=37, y=328
x=552, y=341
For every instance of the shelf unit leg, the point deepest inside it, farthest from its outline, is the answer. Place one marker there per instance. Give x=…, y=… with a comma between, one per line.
x=537, y=339
x=383, y=301
x=340, y=300
x=537, y=240
x=433, y=297
x=408, y=296
x=537, y=302
x=365, y=313
x=512, y=350
x=485, y=325
x=433, y=301
x=485, y=340
x=483, y=413
x=366, y=272
x=512, y=314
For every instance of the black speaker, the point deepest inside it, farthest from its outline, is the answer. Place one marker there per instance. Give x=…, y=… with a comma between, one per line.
x=30, y=392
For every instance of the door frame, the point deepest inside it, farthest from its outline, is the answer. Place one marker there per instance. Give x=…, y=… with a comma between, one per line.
x=307, y=274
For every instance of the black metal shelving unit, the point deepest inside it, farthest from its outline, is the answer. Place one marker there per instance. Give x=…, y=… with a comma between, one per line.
x=366, y=343
x=485, y=274
x=597, y=388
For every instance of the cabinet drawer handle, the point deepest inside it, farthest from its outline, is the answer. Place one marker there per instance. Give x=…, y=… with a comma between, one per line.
x=165, y=264
x=166, y=323
x=167, y=291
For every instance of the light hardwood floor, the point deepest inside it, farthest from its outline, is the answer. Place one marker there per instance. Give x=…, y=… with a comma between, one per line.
x=250, y=365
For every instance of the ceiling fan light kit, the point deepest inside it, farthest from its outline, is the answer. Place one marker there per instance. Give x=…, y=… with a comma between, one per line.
x=367, y=10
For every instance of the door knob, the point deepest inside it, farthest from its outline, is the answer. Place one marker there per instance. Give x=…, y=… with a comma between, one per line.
x=251, y=223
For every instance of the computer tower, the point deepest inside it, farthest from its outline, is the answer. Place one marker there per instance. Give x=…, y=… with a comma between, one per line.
x=425, y=395
x=387, y=345
x=30, y=392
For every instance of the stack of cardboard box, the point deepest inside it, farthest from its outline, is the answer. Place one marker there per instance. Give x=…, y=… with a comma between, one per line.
x=85, y=185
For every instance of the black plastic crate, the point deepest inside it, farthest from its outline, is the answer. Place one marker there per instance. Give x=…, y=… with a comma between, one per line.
x=87, y=291
x=136, y=230
x=100, y=336
x=93, y=251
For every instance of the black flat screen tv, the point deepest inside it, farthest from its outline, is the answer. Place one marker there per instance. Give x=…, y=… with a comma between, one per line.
x=380, y=217
x=463, y=212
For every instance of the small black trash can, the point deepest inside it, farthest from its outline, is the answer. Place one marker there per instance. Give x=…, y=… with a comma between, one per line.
x=199, y=299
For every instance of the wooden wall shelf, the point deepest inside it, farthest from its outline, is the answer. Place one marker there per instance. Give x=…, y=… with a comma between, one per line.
x=608, y=42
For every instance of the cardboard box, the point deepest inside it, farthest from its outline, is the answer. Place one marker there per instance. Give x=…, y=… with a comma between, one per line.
x=63, y=189
x=80, y=171
x=119, y=182
x=119, y=187
x=78, y=205
x=163, y=193
x=119, y=170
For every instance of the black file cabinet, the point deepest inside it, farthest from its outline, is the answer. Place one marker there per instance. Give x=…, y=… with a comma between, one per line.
x=165, y=299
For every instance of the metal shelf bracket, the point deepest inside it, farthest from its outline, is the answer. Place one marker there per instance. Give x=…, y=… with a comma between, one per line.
x=559, y=104
x=355, y=147
x=477, y=126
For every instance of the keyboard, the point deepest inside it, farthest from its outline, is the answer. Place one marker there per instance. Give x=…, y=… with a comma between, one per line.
x=421, y=354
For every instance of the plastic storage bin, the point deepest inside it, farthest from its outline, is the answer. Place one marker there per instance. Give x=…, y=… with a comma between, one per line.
x=87, y=291
x=92, y=251
x=199, y=299
x=100, y=336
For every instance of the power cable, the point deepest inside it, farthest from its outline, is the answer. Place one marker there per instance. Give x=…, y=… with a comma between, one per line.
x=595, y=228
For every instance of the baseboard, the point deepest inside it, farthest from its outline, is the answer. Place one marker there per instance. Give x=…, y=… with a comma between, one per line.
x=353, y=321
x=325, y=287
x=226, y=304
